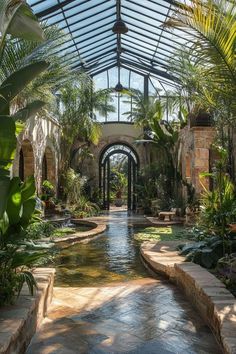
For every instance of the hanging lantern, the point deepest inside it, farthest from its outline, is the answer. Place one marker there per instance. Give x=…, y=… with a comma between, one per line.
x=120, y=27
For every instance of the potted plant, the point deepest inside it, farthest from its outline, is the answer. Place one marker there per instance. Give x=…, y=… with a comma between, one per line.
x=48, y=194
x=119, y=200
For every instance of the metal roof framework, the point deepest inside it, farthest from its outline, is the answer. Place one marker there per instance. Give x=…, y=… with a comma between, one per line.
x=88, y=42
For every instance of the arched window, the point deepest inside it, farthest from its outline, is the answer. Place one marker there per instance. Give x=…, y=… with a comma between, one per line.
x=26, y=160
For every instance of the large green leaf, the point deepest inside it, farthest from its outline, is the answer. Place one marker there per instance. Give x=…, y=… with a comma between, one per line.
x=27, y=212
x=4, y=188
x=17, y=19
x=4, y=224
x=7, y=141
x=28, y=189
x=25, y=24
x=26, y=258
x=29, y=111
x=14, y=202
x=7, y=151
x=16, y=82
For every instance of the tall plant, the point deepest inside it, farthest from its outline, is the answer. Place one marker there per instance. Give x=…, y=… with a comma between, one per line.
x=218, y=207
x=212, y=27
x=76, y=108
x=17, y=203
x=163, y=136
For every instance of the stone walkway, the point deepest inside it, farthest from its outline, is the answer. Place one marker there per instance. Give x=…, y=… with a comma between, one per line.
x=145, y=316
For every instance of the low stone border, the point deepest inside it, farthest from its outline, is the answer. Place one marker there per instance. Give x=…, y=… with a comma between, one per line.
x=208, y=294
x=83, y=236
x=19, y=322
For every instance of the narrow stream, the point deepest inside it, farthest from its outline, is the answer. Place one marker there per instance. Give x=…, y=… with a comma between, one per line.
x=114, y=256
x=145, y=316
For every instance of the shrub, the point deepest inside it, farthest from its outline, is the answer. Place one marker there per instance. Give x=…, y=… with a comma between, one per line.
x=39, y=230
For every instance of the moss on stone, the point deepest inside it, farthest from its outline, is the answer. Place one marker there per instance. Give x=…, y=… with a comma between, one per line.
x=165, y=233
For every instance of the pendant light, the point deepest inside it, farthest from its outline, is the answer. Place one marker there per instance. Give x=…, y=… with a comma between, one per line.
x=119, y=87
x=119, y=26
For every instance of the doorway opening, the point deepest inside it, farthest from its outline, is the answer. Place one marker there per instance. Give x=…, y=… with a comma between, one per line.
x=118, y=167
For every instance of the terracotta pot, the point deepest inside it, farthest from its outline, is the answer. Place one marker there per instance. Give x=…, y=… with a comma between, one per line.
x=118, y=202
x=232, y=227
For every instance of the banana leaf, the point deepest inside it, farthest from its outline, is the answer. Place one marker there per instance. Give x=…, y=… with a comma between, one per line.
x=16, y=82
x=7, y=151
x=17, y=19
x=27, y=212
x=29, y=111
x=4, y=225
x=14, y=202
x=7, y=141
x=28, y=189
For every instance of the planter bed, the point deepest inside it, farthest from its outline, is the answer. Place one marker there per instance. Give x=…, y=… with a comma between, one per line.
x=77, y=237
x=19, y=322
x=209, y=295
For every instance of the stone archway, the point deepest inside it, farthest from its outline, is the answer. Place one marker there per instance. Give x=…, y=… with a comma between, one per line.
x=121, y=133
x=105, y=172
x=26, y=160
x=49, y=166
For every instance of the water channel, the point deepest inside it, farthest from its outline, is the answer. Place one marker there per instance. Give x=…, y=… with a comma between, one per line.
x=105, y=303
x=114, y=256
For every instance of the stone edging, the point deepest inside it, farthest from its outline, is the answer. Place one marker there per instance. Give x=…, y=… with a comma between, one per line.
x=19, y=322
x=208, y=294
x=84, y=236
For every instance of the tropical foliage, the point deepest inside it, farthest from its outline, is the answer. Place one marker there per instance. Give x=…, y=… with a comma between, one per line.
x=77, y=104
x=17, y=203
x=218, y=207
x=162, y=138
x=212, y=28
x=16, y=254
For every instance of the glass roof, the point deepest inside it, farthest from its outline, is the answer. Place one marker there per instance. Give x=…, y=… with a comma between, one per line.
x=90, y=44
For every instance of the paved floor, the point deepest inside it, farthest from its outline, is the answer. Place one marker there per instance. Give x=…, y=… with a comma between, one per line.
x=143, y=316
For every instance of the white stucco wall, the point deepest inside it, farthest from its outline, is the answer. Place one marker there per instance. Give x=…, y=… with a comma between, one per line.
x=41, y=132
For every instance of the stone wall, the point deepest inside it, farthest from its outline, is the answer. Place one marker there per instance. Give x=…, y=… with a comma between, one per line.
x=207, y=293
x=194, y=154
x=38, y=151
x=19, y=322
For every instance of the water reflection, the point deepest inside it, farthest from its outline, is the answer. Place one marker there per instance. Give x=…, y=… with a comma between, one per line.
x=112, y=257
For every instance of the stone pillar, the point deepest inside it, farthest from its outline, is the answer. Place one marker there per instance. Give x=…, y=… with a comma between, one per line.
x=203, y=138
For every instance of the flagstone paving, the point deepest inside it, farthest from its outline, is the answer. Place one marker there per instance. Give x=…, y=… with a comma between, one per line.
x=141, y=316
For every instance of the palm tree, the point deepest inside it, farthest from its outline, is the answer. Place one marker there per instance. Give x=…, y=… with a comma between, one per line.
x=212, y=26
x=18, y=54
x=161, y=135
x=76, y=109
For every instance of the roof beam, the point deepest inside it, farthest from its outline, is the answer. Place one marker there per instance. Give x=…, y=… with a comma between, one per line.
x=101, y=70
x=88, y=45
x=126, y=41
x=151, y=69
x=155, y=34
x=127, y=50
x=54, y=8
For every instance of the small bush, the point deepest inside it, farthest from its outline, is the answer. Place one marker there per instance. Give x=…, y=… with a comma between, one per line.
x=40, y=230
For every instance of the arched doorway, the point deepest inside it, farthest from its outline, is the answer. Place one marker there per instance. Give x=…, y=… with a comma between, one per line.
x=48, y=167
x=118, y=150
x=26, y=160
